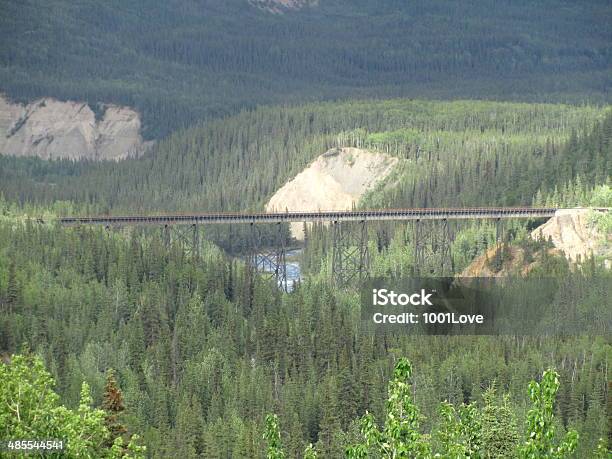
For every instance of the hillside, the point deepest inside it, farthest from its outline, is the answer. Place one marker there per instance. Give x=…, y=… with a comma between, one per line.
x=510, y=260
x=575, y=234
x=181, y=61
x=453, y=154
x=202, y=350
x=572, y=234
x=179, y=336
x=336, y=180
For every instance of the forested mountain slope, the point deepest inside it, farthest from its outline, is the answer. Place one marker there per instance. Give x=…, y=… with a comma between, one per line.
x=182, y=60
x=451, y=153
x=478, y=102
x=203, y=350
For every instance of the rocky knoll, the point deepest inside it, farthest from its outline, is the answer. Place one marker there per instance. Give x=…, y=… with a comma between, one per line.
x=51, y=129
x=573, y=232
x=336, y=180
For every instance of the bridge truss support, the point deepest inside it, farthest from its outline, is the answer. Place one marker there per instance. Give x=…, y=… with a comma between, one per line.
x=500, y=241
x=500, y=233
x=350, y=257
x=431, y=245
x=266, y=260
x=188, y=237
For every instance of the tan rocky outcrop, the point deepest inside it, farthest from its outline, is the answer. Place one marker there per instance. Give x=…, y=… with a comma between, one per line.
x=573, y=233
x=336, y=180
x=514, y=262
x=50, y=129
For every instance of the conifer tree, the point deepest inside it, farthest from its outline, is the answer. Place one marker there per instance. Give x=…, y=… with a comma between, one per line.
x=12, y=289
x=113, y=406
x=329, y=423
x=499, y=431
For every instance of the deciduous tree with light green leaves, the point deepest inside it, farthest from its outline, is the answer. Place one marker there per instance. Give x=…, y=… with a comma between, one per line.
x=459, y=432
x=541, y=436
x=464, y=432
x=275, y=445
x=31, y=410
x=272, y=436
x=400, y=438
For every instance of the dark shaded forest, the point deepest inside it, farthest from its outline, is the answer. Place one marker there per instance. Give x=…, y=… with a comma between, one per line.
x=181, y=61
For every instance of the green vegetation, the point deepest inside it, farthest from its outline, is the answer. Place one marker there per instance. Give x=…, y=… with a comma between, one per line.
x=138, y=342
x=466, y=153
x=202, y=350
x=470, y=432
x=400, y=436
x=30, y=410
x=273, y=438
x=541, y=438
x=184, y=61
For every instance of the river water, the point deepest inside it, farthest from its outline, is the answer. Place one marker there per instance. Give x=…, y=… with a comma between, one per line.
x=293, y=268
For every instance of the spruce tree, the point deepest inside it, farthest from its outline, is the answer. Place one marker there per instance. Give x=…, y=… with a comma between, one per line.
x=113, y=406
x=499, y=430
x=330, y=422
x=12, y=290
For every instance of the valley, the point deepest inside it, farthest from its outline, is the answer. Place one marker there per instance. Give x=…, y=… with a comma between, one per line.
x=161, y=294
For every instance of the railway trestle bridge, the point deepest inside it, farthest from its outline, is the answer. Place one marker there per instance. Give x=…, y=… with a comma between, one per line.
x=431, y=236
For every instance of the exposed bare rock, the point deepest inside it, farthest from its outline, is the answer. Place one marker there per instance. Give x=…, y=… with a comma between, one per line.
x=48, y=128
x=514, y=262
x=334, y=181
x=572, y=232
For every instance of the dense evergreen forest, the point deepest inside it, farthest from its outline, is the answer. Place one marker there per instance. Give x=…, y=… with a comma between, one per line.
x=181, y=61
x=128, y=346
x=461, y=153
x=203, y=350
x=457, y=153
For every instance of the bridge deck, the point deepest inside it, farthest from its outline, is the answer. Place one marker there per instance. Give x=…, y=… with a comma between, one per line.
x=318, y=216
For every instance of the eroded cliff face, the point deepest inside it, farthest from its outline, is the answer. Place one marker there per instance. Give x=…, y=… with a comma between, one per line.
x=514, y=262
x=573, y=232
x=52, y=129
x=336, y=180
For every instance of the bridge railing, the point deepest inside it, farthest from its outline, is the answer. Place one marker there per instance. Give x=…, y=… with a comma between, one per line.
x=315, y=216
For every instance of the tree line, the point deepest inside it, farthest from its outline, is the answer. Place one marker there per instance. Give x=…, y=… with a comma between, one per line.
x=181, y=63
